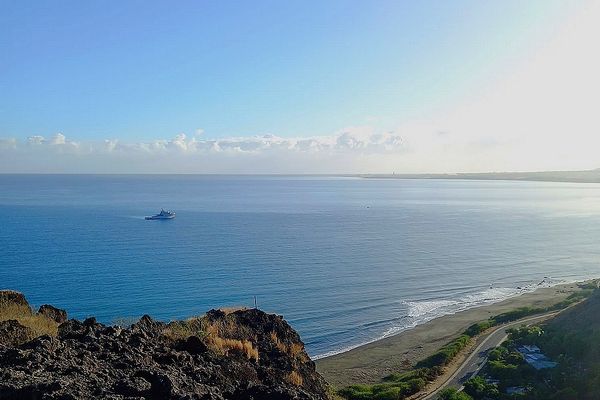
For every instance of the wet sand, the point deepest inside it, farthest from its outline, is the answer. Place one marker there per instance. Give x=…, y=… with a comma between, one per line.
x=371, y=362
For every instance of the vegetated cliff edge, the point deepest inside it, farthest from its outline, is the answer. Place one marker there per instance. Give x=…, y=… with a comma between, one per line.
x=244, y=354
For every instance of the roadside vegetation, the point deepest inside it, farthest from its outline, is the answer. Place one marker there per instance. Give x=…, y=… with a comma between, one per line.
x=572, y=340
x=453, y=394
x=403, y=385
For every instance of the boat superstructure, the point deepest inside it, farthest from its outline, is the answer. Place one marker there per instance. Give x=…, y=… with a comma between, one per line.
x=163, y=215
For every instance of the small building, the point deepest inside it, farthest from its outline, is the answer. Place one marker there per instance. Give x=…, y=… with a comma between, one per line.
x=534, y=357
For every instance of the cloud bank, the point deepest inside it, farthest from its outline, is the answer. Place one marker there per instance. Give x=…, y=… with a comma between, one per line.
x=349, y=150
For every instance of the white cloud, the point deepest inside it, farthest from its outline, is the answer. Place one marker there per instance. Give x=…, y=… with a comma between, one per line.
x=58, y=138
x=346, y=151
x=37, y=139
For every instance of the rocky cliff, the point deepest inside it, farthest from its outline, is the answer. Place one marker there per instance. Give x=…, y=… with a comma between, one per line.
x=243, y=354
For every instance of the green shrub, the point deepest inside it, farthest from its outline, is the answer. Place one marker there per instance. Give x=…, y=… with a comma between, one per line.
x=357, y=392
x=501, y=370
x=517, y=314
x=479, y=327
x=498, y=353
x=478, y=388
x=445, y=354
x=420, y=373
x=453, y=394
x=391, y=393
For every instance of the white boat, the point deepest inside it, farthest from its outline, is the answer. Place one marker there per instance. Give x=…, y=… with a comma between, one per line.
x=163, y=215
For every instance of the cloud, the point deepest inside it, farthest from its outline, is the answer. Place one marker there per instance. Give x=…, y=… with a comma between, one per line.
x=59, y=138
x=35, y=140
x=346, y=151
x=356, y=139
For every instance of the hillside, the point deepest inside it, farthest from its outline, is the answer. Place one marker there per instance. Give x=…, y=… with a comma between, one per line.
x=243, y=354
x=582, y=318
x=558, y=360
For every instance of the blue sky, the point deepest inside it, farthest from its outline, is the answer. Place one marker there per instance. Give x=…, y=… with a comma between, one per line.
x=141, y=71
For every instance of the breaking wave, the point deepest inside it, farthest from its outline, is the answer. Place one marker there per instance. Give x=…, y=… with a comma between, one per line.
x=421, y=311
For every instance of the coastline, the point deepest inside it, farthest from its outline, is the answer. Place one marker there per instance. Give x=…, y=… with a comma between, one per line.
x=371, y=362
x=585, y=176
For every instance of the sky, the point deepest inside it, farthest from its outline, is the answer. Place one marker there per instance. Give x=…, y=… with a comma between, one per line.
x=298, y=86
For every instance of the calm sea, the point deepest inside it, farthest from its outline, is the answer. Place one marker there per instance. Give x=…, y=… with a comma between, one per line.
x=345, y=260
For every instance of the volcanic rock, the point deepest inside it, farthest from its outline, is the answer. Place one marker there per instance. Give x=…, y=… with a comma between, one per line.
x=12, y=333
x=251, y=355
x=55, y=314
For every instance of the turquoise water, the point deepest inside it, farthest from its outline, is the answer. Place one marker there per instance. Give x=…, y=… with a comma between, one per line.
x=345, y=260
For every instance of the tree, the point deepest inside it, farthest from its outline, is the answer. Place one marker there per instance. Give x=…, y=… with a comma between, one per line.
x=478, y=388
x=453, y=394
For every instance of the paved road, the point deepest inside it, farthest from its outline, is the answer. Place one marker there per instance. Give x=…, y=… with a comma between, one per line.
x=476, y=360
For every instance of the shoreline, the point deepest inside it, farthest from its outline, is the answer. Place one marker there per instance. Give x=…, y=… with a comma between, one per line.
x=370, y=362
x=519, y=291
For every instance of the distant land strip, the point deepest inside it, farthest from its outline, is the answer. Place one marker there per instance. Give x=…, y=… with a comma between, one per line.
x=590, y=176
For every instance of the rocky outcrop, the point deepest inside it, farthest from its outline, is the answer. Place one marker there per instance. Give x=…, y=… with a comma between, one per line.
x=56, y=314
x=10, y=297
x=89, y=360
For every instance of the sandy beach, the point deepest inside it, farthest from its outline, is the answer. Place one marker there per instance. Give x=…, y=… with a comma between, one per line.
x=371, y=362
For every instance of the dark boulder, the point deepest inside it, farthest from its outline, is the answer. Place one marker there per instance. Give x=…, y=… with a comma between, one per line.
x=56, y=314
x=12, y=333
x=148, y=327
x=193, y=345
x=132, y=386
x=71, y=329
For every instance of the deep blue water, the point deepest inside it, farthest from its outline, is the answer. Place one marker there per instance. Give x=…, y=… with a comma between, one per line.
x=345, y=260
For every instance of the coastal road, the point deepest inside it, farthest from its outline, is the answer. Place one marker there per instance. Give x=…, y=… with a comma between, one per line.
x=476, y=360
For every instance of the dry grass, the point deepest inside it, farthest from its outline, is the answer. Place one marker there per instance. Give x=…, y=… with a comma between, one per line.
x=222, y=336
x=226, y=335
x=294, y=350
x=227, y=328
x=294, y=378
x=39, y=324
x=224, y=345
x=275, y=339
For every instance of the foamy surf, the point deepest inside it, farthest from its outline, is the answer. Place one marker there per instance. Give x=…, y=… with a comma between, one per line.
x=423, y=311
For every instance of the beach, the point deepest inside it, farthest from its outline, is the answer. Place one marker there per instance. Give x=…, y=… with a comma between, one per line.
x=373, y=361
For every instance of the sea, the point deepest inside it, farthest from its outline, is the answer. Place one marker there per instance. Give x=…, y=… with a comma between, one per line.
x=345, y=260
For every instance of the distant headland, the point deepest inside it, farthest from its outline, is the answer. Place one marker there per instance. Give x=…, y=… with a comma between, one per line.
x=588, y=176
